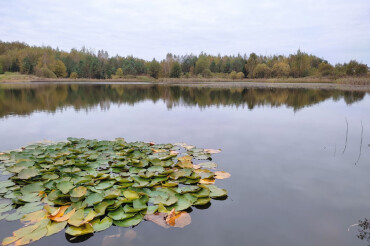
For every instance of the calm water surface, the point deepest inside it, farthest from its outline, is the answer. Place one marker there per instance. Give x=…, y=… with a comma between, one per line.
x=295, y=179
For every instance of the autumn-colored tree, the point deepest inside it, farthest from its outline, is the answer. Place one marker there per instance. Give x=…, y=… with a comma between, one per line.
x=45, y=72
x=261, y=71
x=300, y=64
x=119, y=73
x=175, y=70
x=281, y=69
x=325, y=69
x=60, y=69
x=233, y=75
x=20, y=57
x=251, y=64
x=240, y=75
x=73, y=75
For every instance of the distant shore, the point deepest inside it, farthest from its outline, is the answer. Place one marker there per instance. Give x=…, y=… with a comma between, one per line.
x=346, y=83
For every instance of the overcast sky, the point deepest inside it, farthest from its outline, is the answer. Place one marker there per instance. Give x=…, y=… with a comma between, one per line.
x=337, y=30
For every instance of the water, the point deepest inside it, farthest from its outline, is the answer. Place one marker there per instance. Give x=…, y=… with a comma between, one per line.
x=295, y=179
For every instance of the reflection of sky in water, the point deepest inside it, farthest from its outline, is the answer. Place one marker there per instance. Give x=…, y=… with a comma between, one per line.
x=290, y=183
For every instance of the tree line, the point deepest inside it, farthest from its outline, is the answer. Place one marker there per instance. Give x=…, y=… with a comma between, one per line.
x=85, y=63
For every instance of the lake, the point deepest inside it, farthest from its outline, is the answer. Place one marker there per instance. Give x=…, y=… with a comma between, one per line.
x=299, y=159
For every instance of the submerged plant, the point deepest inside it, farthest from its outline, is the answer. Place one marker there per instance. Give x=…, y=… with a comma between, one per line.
x=89, y=185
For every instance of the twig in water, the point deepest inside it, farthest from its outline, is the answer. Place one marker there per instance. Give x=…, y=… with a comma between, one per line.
x=359, y=155
x=352, y=226
x=345, y=146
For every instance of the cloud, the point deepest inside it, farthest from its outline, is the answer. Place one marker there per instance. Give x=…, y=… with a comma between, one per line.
x=337, y=30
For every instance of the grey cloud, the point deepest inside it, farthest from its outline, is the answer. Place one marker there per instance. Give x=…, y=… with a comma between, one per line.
x=337, y=30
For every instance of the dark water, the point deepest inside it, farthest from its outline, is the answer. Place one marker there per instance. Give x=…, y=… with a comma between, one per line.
x=295, y=179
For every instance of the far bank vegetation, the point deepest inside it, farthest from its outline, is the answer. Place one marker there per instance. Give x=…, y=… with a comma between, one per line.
x=47, y=62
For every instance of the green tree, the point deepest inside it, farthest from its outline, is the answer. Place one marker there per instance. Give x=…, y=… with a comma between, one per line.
x=226, y=66
x=213, y=66
x=28, y=65
x=1, y=69
x=261, y=71
x=154, y=69
x=201, y=64
x=60, y=69
x=238, y=64
x=351, y=67
x=175, y=70
x=207, y=73
x=119, y=73
x=361, y=69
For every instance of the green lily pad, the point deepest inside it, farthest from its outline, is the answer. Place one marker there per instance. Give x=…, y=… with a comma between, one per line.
x=101, y=225
x=79, y=231
x=65, y=186
x=28, y=173
x=55, y=227
x=119, y=214
x=202, y=201
x=105, y=185
x=101, y=207
x=111, y=194
x=208, y=164
x=216, y=192
x=133, y=221
x=6, y=183
x=79, y=191
x=130, y=194
x=182, y=203
x=77, y=218
x=94, y=198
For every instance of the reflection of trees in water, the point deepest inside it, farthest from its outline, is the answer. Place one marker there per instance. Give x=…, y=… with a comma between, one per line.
x=21, y=100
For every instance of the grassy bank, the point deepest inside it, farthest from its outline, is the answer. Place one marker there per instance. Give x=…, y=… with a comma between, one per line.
x=18, y=77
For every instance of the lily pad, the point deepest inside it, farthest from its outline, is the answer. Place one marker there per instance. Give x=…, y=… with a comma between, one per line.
x=88, y=185
x=208, y=164
x=28, y=173
x=130, y=221
x=101, y=225
x=79, y=231
x=65, y=186
x=55, y=227
x=94, y=198
x=79, y=191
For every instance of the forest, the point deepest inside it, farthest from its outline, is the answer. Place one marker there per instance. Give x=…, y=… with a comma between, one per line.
x=47, y=62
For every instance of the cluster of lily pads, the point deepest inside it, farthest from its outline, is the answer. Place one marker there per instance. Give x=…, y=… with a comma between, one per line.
x=89, y=185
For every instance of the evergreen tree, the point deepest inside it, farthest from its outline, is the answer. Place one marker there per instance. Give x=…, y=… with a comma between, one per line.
x=154, y=69
x=175, y=70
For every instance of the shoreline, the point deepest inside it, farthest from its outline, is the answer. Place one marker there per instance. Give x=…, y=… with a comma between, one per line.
x=346, y=83
x=244, y=84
